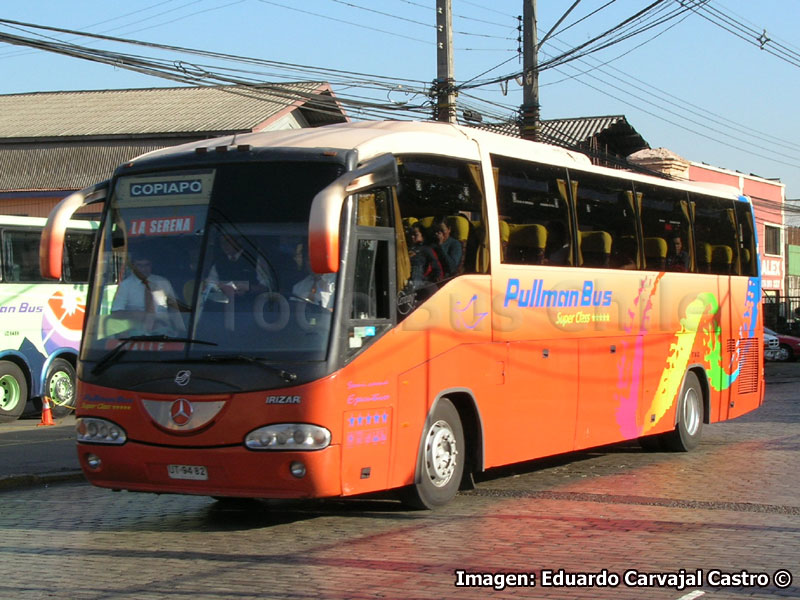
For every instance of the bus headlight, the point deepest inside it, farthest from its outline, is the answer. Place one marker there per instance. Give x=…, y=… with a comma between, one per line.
x=99, y=431
x=288, y=436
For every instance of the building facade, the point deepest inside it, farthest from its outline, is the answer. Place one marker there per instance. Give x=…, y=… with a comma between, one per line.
x=54, y=143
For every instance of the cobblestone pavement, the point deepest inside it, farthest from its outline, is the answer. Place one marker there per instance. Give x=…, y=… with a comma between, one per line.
x=730, y=506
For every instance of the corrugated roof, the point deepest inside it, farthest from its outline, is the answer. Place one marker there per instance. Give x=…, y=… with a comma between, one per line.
x=156, y=111
x=64, y=167
x=577, y=131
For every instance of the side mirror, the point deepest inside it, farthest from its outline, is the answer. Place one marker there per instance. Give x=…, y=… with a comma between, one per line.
x=326, y=209
x=51, y=246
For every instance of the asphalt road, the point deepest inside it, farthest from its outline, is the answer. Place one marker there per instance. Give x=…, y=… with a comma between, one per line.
x=31, y=454
x=700, y=521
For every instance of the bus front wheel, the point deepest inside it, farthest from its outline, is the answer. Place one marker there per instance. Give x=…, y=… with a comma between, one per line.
x=440, y=464
x=60, y=387
x=13, y=391
x=686, y=435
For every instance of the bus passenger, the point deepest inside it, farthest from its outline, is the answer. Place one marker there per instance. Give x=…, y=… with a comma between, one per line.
x=425, y=266
x=678, y=258
x=147, y=298
x=449, y=248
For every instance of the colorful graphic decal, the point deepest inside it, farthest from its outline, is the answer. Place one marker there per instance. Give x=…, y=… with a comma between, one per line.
x=465, y=319
x=630, y=367
x=62, y=320
x=700, y=319
x=97, y=402
x=722, y=379
x=367, y=427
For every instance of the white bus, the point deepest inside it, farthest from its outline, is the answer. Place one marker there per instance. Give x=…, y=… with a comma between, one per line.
x=41, y=320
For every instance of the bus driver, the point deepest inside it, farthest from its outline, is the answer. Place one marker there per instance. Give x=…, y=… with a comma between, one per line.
x=148, y=299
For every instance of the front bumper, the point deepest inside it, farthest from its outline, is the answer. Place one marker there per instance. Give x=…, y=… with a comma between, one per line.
x=232, y=471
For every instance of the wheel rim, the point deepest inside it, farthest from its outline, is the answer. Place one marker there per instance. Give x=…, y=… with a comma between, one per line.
x=61, y=391
x=440, y=453
x=9, y=393
x=782, y=354
x=692, y=411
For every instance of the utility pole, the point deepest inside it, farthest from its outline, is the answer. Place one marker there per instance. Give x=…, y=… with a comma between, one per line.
x=529, y=111
x=445, y=75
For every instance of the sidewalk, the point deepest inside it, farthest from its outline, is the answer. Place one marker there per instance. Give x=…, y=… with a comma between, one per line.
x=31, y=454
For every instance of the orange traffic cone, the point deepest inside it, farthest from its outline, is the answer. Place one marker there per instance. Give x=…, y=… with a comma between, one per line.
x=47, y=414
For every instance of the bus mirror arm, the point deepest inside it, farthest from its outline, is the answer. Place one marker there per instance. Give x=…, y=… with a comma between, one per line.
x=51, y=246
x=326, y=209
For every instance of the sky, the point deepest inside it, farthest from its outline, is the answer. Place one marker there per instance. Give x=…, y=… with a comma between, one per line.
x=695, y=81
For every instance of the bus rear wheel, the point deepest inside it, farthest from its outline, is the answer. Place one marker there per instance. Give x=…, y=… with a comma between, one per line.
x=687, y=432
x=60, y=387
x=440, y=463
x=13, y=391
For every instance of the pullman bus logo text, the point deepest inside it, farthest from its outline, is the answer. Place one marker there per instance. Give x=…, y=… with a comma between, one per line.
x=536, y=296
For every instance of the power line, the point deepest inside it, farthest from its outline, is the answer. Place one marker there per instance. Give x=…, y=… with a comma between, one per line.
x=308, y=12
x=575, y=53
x=742, y=31
x=194, y=74
x=205, y=53
x=415, y=104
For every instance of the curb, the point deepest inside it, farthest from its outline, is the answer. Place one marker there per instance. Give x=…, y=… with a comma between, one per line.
x=12, y=482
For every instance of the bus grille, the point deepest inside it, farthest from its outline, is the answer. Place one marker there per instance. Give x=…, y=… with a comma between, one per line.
x=749, y=362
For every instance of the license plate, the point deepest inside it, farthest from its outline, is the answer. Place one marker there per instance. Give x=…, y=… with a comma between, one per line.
x=197, y=472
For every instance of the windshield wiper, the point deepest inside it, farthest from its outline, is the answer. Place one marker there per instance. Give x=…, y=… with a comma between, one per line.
x=117, y=351
x=287, y=376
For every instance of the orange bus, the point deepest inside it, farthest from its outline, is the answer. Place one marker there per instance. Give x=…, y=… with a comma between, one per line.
x=397, y=306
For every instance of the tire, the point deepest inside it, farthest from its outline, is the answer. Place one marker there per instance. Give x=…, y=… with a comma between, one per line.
x=59, y=386
x=13, y=391
x=691, y=413
x=440, y=464
x=784, y=353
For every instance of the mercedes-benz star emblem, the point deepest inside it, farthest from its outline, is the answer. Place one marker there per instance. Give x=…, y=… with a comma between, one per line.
x=183, y=377
x=181, y=411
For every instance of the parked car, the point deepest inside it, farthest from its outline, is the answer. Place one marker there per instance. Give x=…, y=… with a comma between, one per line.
x=771, y=345
x=788, y=347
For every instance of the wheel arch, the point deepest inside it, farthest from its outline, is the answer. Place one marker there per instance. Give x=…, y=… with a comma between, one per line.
x=463, y=399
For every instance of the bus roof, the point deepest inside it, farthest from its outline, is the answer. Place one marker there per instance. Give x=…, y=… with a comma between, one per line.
x=373, y=138
x=6, y=220
x=369, y=139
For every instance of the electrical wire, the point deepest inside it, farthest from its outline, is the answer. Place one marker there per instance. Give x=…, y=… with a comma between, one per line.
x=417, y=92
x=742, y=31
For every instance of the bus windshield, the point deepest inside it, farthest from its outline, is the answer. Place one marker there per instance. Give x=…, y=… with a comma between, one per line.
x=212, y=263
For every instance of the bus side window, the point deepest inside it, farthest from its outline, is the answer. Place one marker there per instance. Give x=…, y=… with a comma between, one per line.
x=370, y=282
x=605, y=207
x=666, y=228
x=747, y=246
x=435, y=189
x=534, y=213
x=77, y=256
x=716, y=236
x=21, y=255
x=371, y=294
